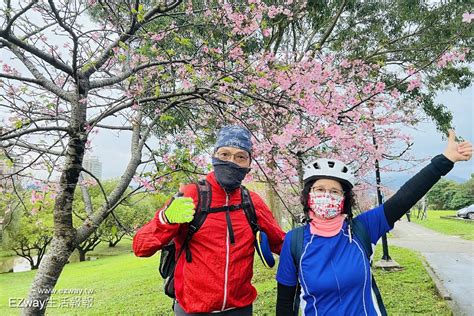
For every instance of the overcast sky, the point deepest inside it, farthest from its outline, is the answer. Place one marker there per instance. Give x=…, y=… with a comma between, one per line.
x=428, y=142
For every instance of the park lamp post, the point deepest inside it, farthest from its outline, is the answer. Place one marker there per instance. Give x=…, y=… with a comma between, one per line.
x=380, y=200
x=386, y=262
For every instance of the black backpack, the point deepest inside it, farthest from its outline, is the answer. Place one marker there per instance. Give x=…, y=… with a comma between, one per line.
x=168, y=252
x=296, y=248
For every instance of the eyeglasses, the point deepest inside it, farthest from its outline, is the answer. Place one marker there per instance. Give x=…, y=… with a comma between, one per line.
x=237, y=157
x=333, y=191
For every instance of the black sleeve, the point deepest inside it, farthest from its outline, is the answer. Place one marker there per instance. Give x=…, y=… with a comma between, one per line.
x=415, y=188
x=285, y=300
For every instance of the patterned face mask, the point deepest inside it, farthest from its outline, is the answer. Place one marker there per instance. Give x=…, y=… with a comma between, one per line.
x=326, y=205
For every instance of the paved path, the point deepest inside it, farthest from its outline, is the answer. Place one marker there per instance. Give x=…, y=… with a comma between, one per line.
x=451, y=258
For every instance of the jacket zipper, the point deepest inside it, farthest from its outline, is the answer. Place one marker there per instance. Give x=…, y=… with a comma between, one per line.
x=226, y=259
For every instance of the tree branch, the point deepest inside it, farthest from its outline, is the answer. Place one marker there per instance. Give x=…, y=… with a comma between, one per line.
x=34, y=147
x=331, y=27
x=121, y=128
x=16, y=16
x=11, y=134
x=45, y=83
x=99, y=184
x=89, y=225
x=23, y=79
x=129, y=103
x=10, y=40
x=71, y=32
x=127, y=35
x=110, y=81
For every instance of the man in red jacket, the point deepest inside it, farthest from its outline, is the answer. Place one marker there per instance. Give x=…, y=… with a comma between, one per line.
x=218, y=278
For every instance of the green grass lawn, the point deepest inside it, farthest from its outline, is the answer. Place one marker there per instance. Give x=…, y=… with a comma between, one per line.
x=462, y=229
x=411, y=290
x=126, y=285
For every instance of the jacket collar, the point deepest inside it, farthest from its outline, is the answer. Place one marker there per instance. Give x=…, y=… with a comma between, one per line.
x=216, y=187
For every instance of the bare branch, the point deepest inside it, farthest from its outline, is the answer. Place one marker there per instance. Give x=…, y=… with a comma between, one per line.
x=12, y=134
x=32, y=147
x=331, y=27
x=23, y=79
x=11, y=41
x=101, y=60
x=110, y=81
x=99, y=183
x=16, y=16
x=45, y=83
x=121, y=106
x=71, y=32
x=122, y=128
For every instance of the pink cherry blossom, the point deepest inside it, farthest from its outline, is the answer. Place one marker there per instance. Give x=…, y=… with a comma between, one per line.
x=395, y=93
x=379, y=87
x=467, y=17
x=413, y=84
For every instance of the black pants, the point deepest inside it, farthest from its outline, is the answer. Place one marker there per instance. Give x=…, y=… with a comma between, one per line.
x=242, y=311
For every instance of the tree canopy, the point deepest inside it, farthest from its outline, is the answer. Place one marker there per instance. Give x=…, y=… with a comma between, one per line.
x=314, y=78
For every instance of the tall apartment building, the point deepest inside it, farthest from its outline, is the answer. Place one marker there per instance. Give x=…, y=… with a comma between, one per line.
x=8, y=169
x=93, y=165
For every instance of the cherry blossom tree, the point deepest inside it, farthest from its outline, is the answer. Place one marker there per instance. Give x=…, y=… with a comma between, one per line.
x=168, y=73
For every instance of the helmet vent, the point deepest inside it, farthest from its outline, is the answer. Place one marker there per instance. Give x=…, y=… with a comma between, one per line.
x=328, y=168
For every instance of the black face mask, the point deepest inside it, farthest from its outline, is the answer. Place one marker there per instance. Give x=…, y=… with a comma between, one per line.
x=228, y=174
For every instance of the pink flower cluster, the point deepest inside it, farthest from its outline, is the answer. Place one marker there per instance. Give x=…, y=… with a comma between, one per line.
x=452, y=57
x=145, y=183
x=467, y=17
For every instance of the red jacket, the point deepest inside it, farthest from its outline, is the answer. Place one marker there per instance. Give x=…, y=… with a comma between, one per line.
x=220, y=273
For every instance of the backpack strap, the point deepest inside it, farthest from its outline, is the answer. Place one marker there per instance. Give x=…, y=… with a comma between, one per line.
x=249, y=209
x=296, y=245
x=364, y=238
x=359, y=230
x=204, y=208
x=225, y=208
x=204, y=202
x=296, y=249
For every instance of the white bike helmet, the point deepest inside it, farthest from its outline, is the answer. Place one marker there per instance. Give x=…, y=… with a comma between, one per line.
x=328, y=168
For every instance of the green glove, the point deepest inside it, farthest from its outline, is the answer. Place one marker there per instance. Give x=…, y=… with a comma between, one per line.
x=180, y=210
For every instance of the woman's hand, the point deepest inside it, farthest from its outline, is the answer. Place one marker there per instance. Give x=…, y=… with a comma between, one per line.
x=457, y=151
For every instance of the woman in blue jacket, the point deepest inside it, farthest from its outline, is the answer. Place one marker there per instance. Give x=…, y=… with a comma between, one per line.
x=333, y=270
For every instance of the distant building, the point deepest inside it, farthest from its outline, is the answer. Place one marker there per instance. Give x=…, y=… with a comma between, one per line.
x=93, y=165
x=9, y=166
x=8, y=169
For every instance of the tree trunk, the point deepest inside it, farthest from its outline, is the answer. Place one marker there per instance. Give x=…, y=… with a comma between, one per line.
x=47, y=276
x=34, y=265
x=273, y=202
x=114, y=241
x=82, y=255
x=64, y=240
